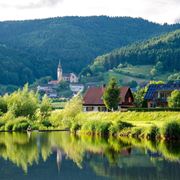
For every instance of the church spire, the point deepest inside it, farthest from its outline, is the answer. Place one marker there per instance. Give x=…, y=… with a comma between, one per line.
x=59, y=65
x=59, y=72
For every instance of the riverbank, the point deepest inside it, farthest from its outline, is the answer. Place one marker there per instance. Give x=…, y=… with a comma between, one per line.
x=144, y=125
x=150, y=125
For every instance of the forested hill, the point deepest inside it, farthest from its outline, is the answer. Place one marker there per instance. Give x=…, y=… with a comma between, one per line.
x=32, y=49
x=163, y=51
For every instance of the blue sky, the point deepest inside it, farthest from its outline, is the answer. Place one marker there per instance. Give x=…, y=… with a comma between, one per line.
x=160, y=11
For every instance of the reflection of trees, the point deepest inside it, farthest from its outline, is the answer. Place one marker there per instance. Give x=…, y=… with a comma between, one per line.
x=19, y=149
x=107, y=157
x=22, y=150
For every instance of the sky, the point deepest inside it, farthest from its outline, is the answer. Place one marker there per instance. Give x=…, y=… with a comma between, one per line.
x=160, y=11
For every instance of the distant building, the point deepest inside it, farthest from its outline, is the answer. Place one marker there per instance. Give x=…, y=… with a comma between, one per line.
x=157, y=94
x=76, y=88
x=48, y=90
x=70, y=77
x=93, y=99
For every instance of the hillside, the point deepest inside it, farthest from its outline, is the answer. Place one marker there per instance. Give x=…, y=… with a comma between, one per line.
x=163, y=53
x=32, y=49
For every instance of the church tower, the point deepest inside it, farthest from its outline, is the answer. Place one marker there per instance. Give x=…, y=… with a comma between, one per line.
x=59, y=72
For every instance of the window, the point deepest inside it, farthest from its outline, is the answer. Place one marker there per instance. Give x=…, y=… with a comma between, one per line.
x=90, y=108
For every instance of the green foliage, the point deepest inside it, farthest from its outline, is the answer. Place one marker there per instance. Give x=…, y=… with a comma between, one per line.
x=119, y=126
x=23, y=126
x=157, y=69
x=153, y=133
x=75, y=127
x=171, y=130
x=23, y=102
x=3, y=105
x=174, y=77
x=174, y=99
x=46, y=123
x=30, y=50
x=45, y=107
x=18, y=124
x=73, y=107
x=139, y=97
x=102, y=128
x=156, y=51
x=111, y=96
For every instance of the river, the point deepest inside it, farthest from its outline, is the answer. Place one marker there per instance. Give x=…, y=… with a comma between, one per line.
x=60, y=155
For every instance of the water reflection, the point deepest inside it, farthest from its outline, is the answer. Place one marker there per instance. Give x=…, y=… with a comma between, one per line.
x=111, y=158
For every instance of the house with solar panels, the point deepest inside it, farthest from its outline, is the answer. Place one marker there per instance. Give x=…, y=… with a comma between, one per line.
x=157, y=94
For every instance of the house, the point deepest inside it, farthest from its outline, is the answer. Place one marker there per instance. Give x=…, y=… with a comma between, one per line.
x=93, y=99
x=70, y=77
x=157, y=94
x=76, y=88
x=48, y=90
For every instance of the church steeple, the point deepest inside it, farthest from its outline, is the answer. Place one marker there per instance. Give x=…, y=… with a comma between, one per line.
x=59, y=72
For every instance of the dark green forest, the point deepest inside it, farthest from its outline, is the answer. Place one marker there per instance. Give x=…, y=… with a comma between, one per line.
x=31, y=49
x=162, y=52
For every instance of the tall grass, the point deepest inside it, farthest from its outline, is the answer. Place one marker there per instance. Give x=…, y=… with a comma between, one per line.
x=171, y=130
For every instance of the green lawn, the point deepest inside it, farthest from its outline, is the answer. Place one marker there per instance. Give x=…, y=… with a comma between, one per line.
x=139, y=74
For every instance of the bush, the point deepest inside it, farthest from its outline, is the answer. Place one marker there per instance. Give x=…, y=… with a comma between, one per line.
x=118, y=126
x=102, y=128
x=23, y=102
x=171, y=130
x=18, y=124
x=88, y=127
x=9, y=126
x=46, y=123
x=153, y=133
x=21, y=126
x=75, y=127
x=3, y=105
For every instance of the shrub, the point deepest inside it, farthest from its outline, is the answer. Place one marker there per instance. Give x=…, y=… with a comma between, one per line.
x=102, y=128
x=45, y=107
x=73, y=107
x=46, y=123
x=118, y=126
x=75, y=127
x=153, y=133
x=22, y=126
x=171, y=130
x=137, y=132
x=3, y=105
x=18, y=124
x=23, y=102
x=2, y=123
x=88, y=127
x=9, y=125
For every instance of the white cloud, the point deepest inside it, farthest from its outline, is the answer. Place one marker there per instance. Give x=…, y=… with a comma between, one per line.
x=155, y=10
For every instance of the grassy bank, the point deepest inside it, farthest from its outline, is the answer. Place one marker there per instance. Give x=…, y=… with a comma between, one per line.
x=151, y=125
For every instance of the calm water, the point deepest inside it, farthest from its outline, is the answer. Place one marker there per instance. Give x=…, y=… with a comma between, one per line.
x=59, y=155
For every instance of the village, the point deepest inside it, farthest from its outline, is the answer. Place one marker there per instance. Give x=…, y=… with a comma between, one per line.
x=156, y=95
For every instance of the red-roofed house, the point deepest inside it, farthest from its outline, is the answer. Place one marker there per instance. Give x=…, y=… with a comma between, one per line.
x=93, y=99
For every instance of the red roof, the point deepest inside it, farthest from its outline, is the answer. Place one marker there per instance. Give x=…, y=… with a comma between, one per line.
x=94, y=95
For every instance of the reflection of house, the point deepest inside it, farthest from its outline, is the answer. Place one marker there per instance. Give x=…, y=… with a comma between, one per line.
x=76, y=88
x=93, y=99
x=157, y=94
x=71, y=77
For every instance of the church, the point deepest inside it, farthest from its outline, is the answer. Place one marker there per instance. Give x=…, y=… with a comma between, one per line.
x=70, y=77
